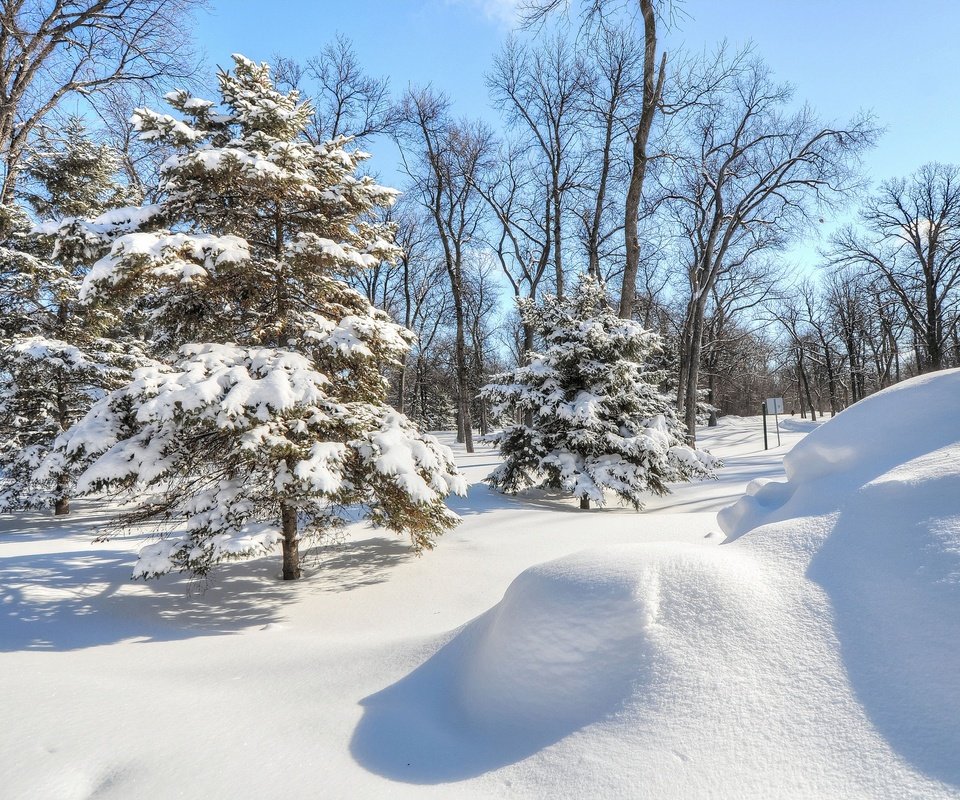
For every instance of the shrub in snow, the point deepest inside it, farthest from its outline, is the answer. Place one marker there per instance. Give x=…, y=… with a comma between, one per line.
x=598, y=419
x=54, y=356
x=266, y=419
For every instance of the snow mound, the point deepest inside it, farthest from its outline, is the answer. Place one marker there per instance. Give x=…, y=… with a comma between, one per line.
x=583, y=642
x=575, y=639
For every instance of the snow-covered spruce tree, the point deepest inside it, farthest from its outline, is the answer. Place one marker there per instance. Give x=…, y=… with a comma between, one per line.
x=267, y=421
x=600, y=420
x=54, y=357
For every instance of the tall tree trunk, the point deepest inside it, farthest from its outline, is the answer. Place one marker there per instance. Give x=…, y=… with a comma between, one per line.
x=593, y=243
x=694, y=351
x=805, y=384
x=683, y=354
x=463, y=383
x=711, y=383
x=803, y=408
x=291, y=546
x=557, y=240
x=652, y=90
x=831, y=380
x=693, y=378
x=407, y=319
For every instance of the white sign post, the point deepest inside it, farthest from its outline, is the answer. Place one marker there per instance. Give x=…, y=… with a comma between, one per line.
x=772, y=405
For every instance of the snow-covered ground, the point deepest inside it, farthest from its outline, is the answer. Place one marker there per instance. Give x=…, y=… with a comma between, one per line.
x=540, y=651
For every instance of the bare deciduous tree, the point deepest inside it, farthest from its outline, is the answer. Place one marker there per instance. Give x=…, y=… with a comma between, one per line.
x=443, y=160
x=542, y=90
x=521, y=229
x=346, y=100
x=748, y=176
x=654, y=74
x=615, y=62
x=910, y=238
x=52, y=49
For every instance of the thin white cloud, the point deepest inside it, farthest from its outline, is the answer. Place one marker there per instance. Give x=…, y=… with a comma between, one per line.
x=502, y=11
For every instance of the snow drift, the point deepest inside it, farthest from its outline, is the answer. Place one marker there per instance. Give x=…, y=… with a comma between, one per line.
x=816, y=654
x=871, y=507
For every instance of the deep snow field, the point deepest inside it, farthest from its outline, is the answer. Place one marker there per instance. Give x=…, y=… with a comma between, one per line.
x=539, y=651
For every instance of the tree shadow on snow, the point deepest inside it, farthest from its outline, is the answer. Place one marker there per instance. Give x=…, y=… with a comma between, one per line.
x=480, y=499
x=85, y=523
x=84, y=596
x=355, y=564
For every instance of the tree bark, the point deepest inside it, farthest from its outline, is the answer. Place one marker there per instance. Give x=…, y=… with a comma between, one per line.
x=463, y=383
x=692, y=372
x=831, y=380
x=805, y=383
x=291, y=545
x=712, y=423
x=652, y=90
x=584, y=503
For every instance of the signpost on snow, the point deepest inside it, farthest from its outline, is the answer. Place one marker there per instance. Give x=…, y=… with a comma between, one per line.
x=772, y=405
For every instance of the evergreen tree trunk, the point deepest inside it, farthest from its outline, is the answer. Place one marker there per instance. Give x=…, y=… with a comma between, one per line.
x=584, y=503
x=62, y=506
x=291, y=547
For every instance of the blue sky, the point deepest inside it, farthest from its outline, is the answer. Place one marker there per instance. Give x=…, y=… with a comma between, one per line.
x=841, y=55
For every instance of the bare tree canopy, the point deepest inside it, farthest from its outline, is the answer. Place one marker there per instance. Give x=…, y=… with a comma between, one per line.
x=346, y=100
x=910, y=239
x=750, y=171
x=51, y=49
x=653, y=78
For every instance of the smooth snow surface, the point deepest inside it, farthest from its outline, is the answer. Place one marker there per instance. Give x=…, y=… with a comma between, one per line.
x=538, y=652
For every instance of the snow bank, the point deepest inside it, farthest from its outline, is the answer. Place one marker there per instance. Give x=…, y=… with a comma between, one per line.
x=573, y=638
x=817, y=654
x=871, y=510
x=864, y=441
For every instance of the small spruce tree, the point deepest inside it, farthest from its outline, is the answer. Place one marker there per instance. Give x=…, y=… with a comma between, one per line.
x=599, y=419
x=266, y=419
